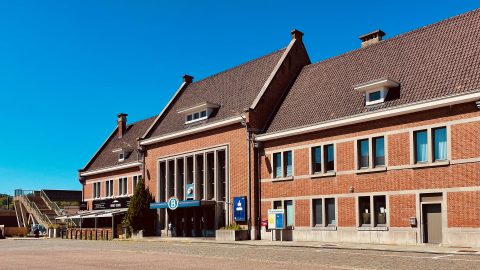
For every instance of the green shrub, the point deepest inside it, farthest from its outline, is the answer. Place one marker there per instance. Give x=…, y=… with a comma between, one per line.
x=139, y=215
x=233, y=227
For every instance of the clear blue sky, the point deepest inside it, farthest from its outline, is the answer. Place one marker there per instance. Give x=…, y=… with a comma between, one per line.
x=68, y=67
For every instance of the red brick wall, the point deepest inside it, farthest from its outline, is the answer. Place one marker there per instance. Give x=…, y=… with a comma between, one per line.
x=346, y=212
x=302, y=213
x=301, y=161
x=465, y=140
x=463, y=209
x=399, y=149
x=402, y=207
x=265, y=207
x=345, y=156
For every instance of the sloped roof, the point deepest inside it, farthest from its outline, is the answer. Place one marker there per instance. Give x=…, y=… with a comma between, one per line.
x=434, y=61
x=105, y=157
x=234, y=90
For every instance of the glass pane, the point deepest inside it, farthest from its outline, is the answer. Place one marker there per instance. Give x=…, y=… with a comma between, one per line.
x=330, y=156
x=380, y=210
x=277, y=205
x=363, y=153
x=288, y=163
x=203, y=113
x=330, y=209
x=364, y=211
x=379, y=148
x=317, y=212
x=120, y=186
x=189, y=117
x=316, y=159
x=374, y=96
x=440, y=143
x=421, y=148
x=277, y=161
x=290, y=213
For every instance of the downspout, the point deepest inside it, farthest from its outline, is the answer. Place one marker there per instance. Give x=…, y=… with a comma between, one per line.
x=249, y=178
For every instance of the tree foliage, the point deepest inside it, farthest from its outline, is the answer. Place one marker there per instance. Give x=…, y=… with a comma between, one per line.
x=139, y=215
x=4, y=198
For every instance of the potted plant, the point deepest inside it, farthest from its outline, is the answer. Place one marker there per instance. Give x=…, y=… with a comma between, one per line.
x=233, y=232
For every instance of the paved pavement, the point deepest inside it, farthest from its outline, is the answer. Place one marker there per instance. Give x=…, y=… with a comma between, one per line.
x=150, y=254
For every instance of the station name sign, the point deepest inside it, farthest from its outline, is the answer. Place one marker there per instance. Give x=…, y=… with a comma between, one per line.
x=111, y=203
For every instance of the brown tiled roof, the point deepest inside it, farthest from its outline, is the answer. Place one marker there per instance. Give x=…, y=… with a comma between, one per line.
x=433, y=61
x=234, y=90
x=106, y=158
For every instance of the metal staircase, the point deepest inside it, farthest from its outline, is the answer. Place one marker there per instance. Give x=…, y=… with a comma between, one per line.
x=31, y=208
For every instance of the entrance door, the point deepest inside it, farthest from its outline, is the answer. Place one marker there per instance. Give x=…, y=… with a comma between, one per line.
x=432, y=223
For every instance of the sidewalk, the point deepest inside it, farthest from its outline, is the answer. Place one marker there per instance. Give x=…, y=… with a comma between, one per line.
x=435, y=249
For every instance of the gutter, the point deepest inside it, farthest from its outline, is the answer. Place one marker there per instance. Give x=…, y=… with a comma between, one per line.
x=111, y=169
x=375, y=115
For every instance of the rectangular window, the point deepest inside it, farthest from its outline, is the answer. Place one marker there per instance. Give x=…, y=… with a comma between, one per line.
x=329, y=158
x=364, y=211
x=289, y=213
x=203, y=114
x=189, y=118
x=210, y=176
x=316, y=160
x=374, y=96
x=277, y=205
x=363, y=154
x=439, y=143
x=122, y=186
x=96, y=190
x=330, y=212
x=421, y=146
x=109, y=188
x=277, y=162
x=221, y=175
x=200, y=179
x=317, y=212
x=287, y=163
x=380, y=212
x=136, y=179
x=171, y=178
x=379, y=151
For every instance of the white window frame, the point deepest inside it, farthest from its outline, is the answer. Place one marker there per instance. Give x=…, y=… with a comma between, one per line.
x=372, y=225
x=371, y=154
x=134, y=186
x=430, y=151
x=324, y=211
x=111, y=188
x=323, y=160
x=283, y=176
x=383, y=94
x=122, y=186
x=200, y=118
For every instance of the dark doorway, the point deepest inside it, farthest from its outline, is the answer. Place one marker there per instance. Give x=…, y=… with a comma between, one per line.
x=432, y=223
x=193, y=221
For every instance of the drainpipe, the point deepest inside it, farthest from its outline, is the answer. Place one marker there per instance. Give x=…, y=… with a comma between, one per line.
x=249, y=178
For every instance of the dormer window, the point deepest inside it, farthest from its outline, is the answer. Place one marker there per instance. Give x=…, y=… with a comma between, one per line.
x=122, y=153
x=376, y=91
x=198, y=112
x=121, y=156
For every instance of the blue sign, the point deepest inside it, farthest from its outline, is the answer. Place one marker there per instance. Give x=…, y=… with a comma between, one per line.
x=190, y=191
x=172, y=203
x=239, y=208
x=280, y=221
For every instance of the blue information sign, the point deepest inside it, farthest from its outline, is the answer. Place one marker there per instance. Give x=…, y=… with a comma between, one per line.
x=239, y=208
x=172, y=203
x=279, y=221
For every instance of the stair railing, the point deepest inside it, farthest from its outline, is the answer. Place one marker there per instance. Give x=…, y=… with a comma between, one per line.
x=52, y=205
x=33, y=209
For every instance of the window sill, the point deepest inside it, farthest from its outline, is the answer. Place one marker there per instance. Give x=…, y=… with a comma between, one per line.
x=321, y=175
x=371, y=170
x=431, y=164
x=280, y=179
x=367, y=228
x=326, y=228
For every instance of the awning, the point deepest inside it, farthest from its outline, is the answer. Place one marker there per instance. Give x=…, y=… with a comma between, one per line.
x=96, y=214
x=181, y=204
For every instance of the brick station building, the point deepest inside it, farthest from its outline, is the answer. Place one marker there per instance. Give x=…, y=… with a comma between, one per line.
x=381, y=144
x=377, y=145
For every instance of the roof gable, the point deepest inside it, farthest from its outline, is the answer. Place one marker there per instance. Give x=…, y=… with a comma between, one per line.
x=434, y=61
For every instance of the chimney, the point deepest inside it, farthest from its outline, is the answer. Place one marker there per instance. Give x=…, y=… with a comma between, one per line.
x=122, y=124
x=296, y=34
x=371, y=38
x=187, y=78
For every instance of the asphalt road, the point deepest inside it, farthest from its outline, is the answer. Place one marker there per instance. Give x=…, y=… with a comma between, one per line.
x=75, y=254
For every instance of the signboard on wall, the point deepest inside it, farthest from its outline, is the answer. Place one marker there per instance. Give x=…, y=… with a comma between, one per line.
x=240, y=208
x=111, y=203
x=190, y=191
x=276, y=219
